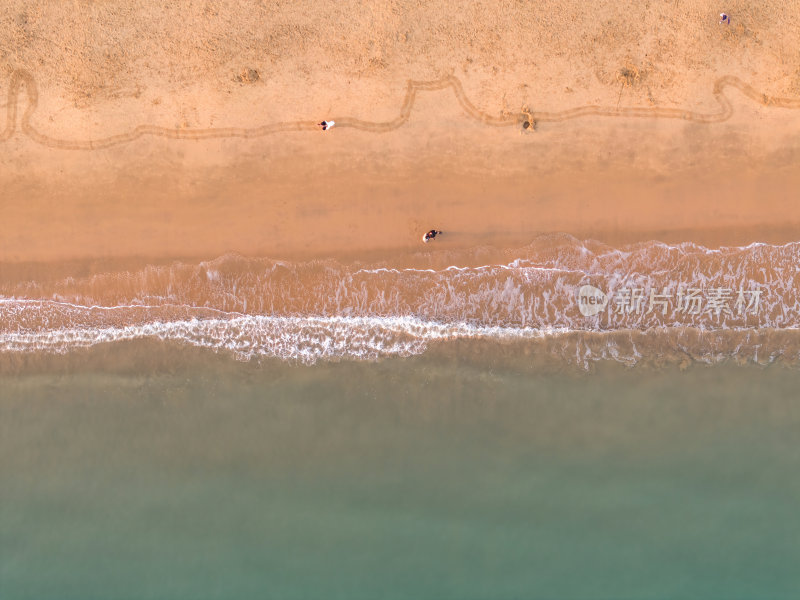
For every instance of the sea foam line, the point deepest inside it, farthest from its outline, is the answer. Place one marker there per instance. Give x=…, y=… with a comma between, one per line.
x=306, y=339
x=309, y=339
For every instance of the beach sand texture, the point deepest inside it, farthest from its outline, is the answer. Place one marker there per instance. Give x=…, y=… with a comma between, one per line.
x=142, y=130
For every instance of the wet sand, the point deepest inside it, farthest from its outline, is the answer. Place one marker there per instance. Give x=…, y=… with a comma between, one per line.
x=333, y=202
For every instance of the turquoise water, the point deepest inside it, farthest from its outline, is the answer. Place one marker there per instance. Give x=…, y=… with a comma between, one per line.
x=438, y=476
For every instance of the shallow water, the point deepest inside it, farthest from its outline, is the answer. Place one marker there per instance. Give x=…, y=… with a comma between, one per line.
x=147, y=469
x=654, y=300
x=447, y=425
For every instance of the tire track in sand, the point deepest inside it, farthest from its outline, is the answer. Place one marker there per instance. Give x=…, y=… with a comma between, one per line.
x=725, y=111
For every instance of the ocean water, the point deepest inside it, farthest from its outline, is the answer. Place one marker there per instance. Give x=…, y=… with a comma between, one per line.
x=450, y=425
x=448, y=475
x=653, y=301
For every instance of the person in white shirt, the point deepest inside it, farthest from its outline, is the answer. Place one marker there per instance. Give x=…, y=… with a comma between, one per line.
x=326, y=125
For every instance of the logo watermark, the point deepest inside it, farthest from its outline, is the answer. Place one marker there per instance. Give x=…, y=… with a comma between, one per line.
x=685, y=300
x=591, y=300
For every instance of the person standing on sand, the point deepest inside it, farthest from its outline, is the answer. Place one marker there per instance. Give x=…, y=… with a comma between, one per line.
x=724, y=19
x=326, y=125
x=430, y=235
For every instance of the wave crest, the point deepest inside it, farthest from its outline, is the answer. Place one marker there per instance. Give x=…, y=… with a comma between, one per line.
x=325, y=309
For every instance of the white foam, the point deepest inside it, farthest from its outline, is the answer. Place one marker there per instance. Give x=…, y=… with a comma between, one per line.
x=327, y=310
x=305, y=339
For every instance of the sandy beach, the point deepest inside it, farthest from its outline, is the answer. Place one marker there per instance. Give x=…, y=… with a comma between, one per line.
x=230, y=368
x=671, y=148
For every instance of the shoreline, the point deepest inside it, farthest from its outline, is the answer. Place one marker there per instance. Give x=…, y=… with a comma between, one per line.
x=439, y=254
x=364, y=218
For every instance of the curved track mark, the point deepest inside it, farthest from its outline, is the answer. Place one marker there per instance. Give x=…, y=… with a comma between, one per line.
x=19, y=78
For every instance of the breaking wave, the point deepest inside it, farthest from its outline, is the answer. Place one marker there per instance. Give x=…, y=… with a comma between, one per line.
x=652, y=300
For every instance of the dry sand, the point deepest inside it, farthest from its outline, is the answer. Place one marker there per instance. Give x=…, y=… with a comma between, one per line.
x=664, y=154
